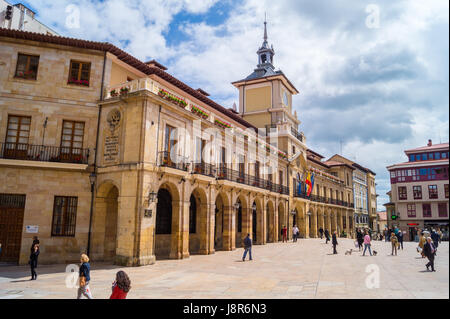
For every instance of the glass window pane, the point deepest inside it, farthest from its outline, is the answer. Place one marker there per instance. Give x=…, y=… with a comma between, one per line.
x=79, y=125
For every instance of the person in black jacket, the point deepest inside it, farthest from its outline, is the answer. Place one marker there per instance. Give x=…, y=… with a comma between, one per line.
x=360, y=239
x=247, y=247
x=400, y=239
x=34, y=261
x=429, y=250
x=321, y=232
x=334, y=242
x=327, y=236
x=35, y=242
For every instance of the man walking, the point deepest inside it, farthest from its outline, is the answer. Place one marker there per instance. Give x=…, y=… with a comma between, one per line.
x=429, y=251
x=334, y=242
x=327, y=236
x=435, y=238
x=295, y=232
x=394, y=242
x=400, y=239
x=247, y=247
x=321, y=232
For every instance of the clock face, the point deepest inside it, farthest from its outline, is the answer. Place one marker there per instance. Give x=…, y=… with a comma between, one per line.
x=286, y=99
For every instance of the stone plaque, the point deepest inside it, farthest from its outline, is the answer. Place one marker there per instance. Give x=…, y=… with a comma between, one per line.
x=111, y=146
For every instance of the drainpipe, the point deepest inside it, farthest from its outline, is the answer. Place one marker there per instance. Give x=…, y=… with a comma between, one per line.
x=95, y=157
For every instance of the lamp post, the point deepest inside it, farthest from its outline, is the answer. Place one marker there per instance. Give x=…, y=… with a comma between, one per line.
x=92, y=179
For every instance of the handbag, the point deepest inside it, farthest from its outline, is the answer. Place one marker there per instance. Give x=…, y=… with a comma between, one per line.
x=356, y=244
x=82, y=281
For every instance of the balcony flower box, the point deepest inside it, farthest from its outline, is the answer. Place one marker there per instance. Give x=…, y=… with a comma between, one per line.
x=172, y=98
x=222, y=124
x=78, y=82
x=113, y=93
x=199, y=112
x=282, y=155
x=124, y=91
x=26, y=75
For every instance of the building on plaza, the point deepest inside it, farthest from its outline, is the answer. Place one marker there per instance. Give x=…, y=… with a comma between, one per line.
x=419, y=190
x=21, y=17
x=364, y=192
x=381, y=222
x=107, y=154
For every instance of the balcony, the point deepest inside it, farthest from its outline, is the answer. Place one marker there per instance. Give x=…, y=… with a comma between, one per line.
x=296, y=134
x=179, y=163
x=224, y=173
x=205, y=169
x=41, y=153
x=321, y=199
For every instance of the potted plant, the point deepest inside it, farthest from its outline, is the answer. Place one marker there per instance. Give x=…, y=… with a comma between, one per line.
x=124, y=91
x=113, y=93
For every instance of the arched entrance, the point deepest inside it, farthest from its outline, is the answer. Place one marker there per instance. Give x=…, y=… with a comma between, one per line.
x=241, y=213
x=104, y=224
x=197, y=212
x=270, y=222
x=163, y=224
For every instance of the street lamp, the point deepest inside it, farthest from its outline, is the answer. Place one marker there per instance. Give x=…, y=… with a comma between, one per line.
x=92, y=180
x=293, y=212
x=152, y=196
x=237, y=206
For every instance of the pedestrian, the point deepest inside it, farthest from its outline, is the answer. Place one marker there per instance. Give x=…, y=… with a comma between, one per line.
x=367, y=244
x=295, y=232
x=85, y=278
x=396, y=230
x=321, y=232
x=422, y=242
x=327, y=236
x=394, y=242
x=400, y=239
x=335, y=243
x=360, y=239
x=121, y=286
x=440, y=235
x=284, y=234
x=430, y=252
x=247, y=247
x=35, y=242
x=435, y=238
x=34, y=261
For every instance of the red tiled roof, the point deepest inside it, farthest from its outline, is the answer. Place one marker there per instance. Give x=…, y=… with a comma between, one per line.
x=125, y=57
x=335, y=163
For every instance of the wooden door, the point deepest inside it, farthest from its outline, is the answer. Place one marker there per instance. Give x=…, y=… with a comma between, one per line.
x=12, y=209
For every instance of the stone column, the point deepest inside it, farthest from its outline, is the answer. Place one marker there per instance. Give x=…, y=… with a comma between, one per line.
x=229, y=228
x=206, y=229
x=275, y=229
x=262, y=229
x=180, y=230
x=247, y=222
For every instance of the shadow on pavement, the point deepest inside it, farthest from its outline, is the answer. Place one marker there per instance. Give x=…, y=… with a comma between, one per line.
x=17, y=272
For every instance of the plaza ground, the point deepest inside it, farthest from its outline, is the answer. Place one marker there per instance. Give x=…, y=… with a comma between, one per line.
x=306, y=269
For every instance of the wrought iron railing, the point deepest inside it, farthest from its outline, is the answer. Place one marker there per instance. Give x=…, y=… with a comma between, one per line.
x=321, y=199
x=296, y=134
x=204, y=169
x=41, y=153
x=165, y=160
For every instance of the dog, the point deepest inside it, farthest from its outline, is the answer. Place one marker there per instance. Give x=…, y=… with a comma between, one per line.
x=349, y=252
x=375, y=253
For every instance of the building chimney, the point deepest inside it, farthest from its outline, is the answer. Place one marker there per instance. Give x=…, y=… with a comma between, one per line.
x=430, y=143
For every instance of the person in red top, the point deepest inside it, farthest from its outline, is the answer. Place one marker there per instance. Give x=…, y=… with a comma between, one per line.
x=284, y=234
x=121, y=286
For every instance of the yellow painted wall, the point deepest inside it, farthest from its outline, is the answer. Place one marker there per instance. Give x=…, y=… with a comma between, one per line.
x=119, y=75
x=258, y=99
x=258, y=120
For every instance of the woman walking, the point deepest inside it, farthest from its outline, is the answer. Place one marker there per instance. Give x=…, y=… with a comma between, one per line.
x=85, y=277
x=34, y=261
x=121, y=286
x=367, y=244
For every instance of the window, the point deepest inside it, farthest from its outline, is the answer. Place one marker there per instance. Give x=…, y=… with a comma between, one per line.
x=446, y=190
x=432, y=191
x=411, y=210
x=426, y=208
x=442, y=209
x=437, y=155
x=430, y=156
x=18, y=131
x=424, y=157
x=72, y=139
x=293, y=150
x=444, y=155
x=411, y=158
x=64, y=216
x=280, y=177
x=417, y=190
x=402, y=195
x=79, y=73
x=169, y=145
x=27, y=67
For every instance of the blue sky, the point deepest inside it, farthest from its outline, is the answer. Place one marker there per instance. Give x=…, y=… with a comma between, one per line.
x=378, y=90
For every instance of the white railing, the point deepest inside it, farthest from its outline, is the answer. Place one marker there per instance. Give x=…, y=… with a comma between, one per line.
x=133, y=86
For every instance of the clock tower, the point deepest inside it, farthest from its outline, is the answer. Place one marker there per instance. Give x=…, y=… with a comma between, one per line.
x=265, y=100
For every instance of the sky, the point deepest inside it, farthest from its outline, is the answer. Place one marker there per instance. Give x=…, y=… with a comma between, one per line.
x=373, y=75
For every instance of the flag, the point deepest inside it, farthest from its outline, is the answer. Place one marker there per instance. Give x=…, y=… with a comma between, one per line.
x=312, y=181
x=309, y=184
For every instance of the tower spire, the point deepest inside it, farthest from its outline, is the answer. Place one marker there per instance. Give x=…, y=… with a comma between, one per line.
x=265, y=27
x=265, y=53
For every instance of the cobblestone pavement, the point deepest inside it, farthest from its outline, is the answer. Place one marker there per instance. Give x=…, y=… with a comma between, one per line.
x=306, y=269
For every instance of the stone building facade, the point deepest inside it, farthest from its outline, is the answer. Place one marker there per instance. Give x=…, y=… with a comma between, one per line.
x=109, y=155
